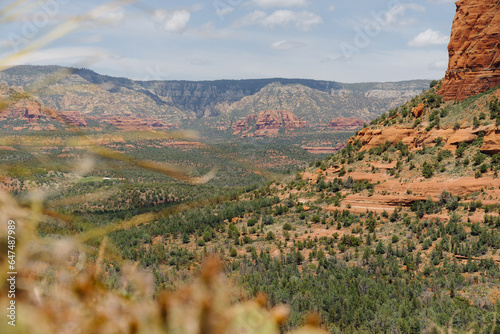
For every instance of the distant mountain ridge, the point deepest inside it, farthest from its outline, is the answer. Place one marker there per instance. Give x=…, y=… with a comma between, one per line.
x=318, y=107
x=93, y=94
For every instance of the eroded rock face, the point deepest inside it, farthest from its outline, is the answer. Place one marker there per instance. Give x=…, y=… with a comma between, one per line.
x=73, y=118
x=491, y=142
x=276, y=119
x=371, y=138
x=29, y=110
x=474, y=50
x=243, y=125
x=418, y=110
x=415, y=138
x=268, y=123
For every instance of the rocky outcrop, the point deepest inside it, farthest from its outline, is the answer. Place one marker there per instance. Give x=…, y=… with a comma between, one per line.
x=268, y=123
x=276, y=119
x=346, y=124
x=28, y=110
x=243, y=126
x=73, y=118
x=371, y=138
x=474, y=50
x=491, y=142
x=415, y=138
x=465, y=135
x=33, y=111
x=418, y=110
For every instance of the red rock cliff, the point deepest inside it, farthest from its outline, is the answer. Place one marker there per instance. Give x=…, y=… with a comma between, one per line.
x=474, y=64
x=268, y=123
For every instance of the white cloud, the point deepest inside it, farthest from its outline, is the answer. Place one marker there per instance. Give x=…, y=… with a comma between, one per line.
x=279, y=3
x=392, y=18
x=286, y=45
x=395, y=14
x=224, y=11
x=178, y=20
x=428, y=38
x=442, y=1
x=303, y=21
x=331, y=8
x=174, y=21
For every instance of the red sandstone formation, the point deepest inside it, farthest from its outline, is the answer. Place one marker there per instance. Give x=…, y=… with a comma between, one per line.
x=243, y=125
x=418, y=110
x=346, y=124
x=268, y=123
x=414, y=138
x=277, y=119
x=73, y=118
x=474, y=50
x=491, y=142
x=28, y=110
x=135, y=123
x=371, y=138
x=32, y=111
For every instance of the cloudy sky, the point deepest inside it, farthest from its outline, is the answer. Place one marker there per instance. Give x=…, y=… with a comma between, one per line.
x=347, y=41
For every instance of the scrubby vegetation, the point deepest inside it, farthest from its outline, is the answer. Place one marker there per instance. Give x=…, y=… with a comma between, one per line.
x=355, y=238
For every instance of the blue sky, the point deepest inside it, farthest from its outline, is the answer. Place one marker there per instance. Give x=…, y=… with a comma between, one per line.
x=346, y=41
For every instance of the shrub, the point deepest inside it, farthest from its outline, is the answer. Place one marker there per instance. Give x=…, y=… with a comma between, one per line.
x=251, y=222
x=233, y=232
x=427, y=170
x=452, y=204
x=233, y=252
x=267, y=220
x=479, y=158
x=475, y=122
x=483, y=168
x=207, y=236
x=350, y=241
x=380, y=249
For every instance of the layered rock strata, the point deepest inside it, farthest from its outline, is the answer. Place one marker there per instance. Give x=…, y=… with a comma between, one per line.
x=474, y=50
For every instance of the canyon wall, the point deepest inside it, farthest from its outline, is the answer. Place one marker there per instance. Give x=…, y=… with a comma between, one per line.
x=474, y=64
